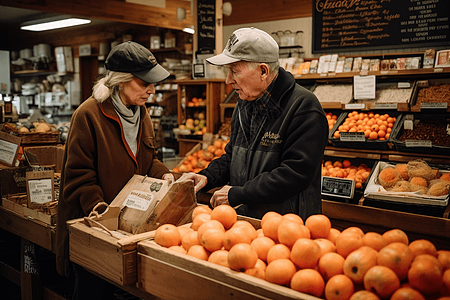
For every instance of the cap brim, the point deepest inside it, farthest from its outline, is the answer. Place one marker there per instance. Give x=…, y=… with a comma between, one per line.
x=221, y=59
x=156, y=74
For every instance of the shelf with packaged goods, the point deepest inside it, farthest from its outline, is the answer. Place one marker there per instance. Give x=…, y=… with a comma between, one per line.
x=429, y=72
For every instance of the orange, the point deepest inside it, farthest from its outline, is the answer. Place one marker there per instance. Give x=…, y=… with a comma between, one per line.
x=348, y=242
x=331, y=264
x=443, y=257
x=397, y=257
x=407, y=293
x=199, y=252
x=242, y=257
x=235, y=236
x=167, y=235
x=374, y=240
x=219, y=257
x=382, y=281
x=305, y=253
x=259, y=232
x=425, y=274
x=200, y=209
x=325, y=246
x=289, y=231
x=256, y=272
x=178, y=249
x=423, y=247
x=248, y=227
x=364, y=295
x=294, y=217
x=319, y=225
x=211, y=224
x=334, y=233
x=212, y=239
x=396, y=235
x=373, y=135
x=190, y=239
x=280, y=271
x=446, y=280
x=225, y=214
x=353, y=229
x=346, y=163
x=184, y=230
x=308, y=281
x=270, y=227
x=262, y=246
x=339, y=287
x=278, y=251
x=358, y=262
x=269, y=215
x=199, y=220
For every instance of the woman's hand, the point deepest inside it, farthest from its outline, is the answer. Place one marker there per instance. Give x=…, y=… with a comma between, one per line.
x=199, y=180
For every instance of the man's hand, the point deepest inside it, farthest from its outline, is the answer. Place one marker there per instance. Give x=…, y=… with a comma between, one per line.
x=220, y=196
x=199, y=180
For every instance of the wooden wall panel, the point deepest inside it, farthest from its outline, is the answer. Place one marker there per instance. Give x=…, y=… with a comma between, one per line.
x=254, y=11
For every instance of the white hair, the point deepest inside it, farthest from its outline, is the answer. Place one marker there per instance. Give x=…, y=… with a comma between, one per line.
x=109, y=84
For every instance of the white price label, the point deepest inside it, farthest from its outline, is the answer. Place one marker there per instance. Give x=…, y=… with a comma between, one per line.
x=364, y=87
x=418, y=143
x=139, y=200
x=352, y=137
x=40, y=190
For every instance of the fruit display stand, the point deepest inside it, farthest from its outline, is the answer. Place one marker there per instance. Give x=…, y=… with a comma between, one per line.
x=171, y=275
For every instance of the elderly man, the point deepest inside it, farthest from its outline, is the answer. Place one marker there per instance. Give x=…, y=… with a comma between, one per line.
x=278, y=135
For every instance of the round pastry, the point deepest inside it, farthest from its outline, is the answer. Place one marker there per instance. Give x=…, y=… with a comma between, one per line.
x=419, y=168
x=388, y=177
x=403, y=170
x=401, y=186
x=419, y=181
x=422, y=189
x=437, y=173
x=439, y=189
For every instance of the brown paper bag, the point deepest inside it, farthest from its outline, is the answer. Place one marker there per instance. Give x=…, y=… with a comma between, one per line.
x=148, y=203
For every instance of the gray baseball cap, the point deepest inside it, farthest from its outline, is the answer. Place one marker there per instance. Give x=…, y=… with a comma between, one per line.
x=248, y=44
x=131, y=57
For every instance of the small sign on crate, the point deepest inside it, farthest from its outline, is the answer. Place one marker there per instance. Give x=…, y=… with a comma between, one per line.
x=9, y=147
x=40, y=188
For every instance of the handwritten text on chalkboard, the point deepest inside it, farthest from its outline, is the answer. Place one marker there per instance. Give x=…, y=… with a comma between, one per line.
x=352, y=24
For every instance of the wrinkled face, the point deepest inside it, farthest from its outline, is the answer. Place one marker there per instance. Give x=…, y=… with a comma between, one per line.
x=136, y=92
x=247, y=81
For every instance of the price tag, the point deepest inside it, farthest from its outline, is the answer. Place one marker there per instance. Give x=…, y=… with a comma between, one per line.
x=139, y=200
x=352, y=137
x=364, y=87
x=40, y=187
x=435, y=105
x=418, y=143
x=338, y=187
x=355, y=106
x=385, y=106
x=9, y=147
x=404, y=85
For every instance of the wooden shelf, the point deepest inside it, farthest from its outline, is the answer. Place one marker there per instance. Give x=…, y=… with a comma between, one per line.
x=38, y=73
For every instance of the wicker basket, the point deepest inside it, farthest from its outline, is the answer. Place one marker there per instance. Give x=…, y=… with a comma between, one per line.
x=39, y=138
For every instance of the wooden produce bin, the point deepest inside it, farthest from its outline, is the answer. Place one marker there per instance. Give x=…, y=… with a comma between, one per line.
x=111, y=257
x=171, y=275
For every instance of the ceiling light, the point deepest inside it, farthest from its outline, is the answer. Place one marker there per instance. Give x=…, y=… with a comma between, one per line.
x=189, y=30
x=48, y=24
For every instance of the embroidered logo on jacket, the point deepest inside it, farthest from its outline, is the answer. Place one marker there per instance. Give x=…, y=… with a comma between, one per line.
x=270, y=139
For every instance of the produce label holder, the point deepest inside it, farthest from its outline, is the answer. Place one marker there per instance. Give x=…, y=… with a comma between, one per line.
x=40, y=188
x=338, y=187
x=9, y=147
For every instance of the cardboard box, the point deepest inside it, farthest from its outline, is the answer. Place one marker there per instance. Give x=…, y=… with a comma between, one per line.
x=168, y=274
x=105, y=243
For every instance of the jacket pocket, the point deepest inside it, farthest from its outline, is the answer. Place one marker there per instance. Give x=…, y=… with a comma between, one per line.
x=149, y=143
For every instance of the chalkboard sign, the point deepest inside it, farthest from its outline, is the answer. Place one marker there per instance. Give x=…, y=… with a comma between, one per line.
x=347, y=25
x=206, y=26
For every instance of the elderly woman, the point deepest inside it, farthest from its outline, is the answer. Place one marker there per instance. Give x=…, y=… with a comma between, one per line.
x=110, y=139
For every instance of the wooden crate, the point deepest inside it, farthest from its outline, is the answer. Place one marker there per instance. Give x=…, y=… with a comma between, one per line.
x=111, y=257
x=44, y=217
x=171, y=275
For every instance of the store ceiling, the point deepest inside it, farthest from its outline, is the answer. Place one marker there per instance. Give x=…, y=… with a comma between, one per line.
x=13, y=16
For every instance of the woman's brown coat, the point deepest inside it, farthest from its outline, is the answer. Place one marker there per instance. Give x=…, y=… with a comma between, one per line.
x=97, y=165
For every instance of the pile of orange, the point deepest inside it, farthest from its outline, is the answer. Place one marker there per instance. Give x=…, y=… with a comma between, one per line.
x=200, y=159
x=331, y=120
x=375, y=126
x=314, y=258
x=345, y=169
x=196, y=102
